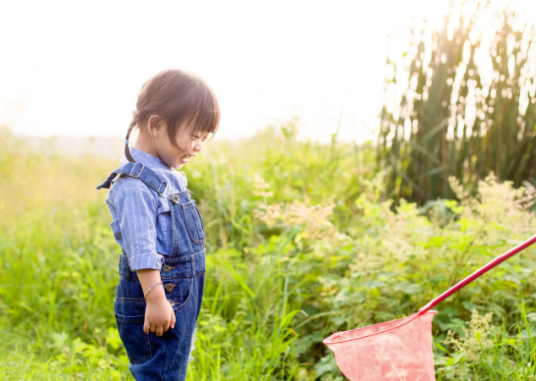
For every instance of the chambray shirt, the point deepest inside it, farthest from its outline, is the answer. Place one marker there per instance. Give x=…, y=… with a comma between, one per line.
x=141, y=217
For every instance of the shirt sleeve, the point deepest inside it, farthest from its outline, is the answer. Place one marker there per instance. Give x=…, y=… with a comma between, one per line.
x=136, y=208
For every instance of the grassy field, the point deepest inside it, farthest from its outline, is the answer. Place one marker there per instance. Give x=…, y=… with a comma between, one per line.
x=300, y=244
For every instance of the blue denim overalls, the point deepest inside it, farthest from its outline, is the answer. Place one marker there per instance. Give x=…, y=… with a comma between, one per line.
x=163, y=357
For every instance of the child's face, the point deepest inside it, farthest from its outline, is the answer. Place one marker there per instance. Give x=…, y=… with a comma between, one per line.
x=189, y=145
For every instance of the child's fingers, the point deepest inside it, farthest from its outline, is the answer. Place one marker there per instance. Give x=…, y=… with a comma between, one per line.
x=146, y=327
x=166, y=325
x=173, y=318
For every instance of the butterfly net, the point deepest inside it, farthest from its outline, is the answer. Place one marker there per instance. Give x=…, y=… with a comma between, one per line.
x=397, y=350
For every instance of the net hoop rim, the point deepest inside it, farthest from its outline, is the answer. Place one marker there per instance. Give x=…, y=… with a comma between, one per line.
x=413, y=317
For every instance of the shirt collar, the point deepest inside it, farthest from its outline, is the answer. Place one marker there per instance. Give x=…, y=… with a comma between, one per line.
x=148, y=160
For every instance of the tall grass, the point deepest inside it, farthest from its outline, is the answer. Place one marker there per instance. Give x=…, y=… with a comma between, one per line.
x=462, y=102
x=295, y=252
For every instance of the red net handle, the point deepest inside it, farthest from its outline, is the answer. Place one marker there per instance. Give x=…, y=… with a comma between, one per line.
x=477, y=273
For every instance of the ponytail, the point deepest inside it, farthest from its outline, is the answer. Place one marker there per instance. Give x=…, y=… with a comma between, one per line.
x=127, y=150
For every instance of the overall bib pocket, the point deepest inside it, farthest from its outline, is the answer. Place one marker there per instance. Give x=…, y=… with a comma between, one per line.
x=193, y=222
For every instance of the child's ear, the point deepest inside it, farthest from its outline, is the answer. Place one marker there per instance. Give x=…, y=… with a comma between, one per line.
x=154, y=125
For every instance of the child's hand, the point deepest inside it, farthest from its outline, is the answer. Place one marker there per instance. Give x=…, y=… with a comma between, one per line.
x=159, y=314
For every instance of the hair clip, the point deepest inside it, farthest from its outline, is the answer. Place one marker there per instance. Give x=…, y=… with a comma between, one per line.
x=126, y=141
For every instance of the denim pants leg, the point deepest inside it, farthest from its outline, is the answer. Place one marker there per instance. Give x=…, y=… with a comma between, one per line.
x=163, y=357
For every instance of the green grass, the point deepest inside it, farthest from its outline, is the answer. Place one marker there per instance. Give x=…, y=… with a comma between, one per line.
x=299, y=245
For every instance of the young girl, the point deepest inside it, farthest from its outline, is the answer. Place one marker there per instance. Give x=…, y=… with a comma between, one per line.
x=158, y=225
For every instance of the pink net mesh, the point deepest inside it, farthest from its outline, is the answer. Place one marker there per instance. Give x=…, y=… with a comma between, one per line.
x=398, y=350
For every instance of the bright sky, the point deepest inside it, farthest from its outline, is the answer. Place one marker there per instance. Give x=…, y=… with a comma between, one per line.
x=75, y=68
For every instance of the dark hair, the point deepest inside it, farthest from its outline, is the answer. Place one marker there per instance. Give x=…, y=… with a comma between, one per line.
x=178, y=97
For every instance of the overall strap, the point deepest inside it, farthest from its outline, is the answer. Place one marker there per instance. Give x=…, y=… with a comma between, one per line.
x=141, y=172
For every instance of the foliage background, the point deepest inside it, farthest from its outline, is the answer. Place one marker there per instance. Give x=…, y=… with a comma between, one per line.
x=305, y=239
x=460, y=100
x=300, y=244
